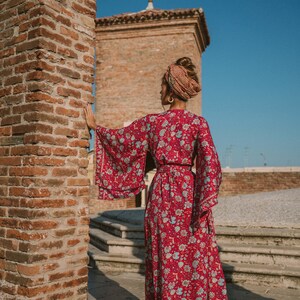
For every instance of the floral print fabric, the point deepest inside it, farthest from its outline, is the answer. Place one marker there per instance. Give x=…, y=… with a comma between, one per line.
x=182, y=258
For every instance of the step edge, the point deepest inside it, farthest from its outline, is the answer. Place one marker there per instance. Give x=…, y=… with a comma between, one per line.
x=258, y=231
x=259, y=249
x=114, y=240
x=117, y=226
x=261, y=269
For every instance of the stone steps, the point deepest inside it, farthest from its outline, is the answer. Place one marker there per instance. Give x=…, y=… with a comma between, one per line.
x=288, y=277
x=258, y=235
x=262, y=254
x=267, y=275
x=116, y=245
x=118, y=228
x=251, y=255
x=104, y=261
x=254, y=292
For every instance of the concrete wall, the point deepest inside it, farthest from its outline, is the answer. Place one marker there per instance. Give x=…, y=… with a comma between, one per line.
x=46, y=71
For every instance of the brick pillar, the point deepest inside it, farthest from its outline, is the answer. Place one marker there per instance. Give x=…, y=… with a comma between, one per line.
x=46, y=72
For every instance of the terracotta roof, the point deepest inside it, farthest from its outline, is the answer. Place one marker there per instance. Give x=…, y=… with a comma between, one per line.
x=147, y=16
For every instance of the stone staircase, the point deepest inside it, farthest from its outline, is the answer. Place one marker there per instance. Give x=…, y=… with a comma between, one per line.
x=250, y=255
x=116, y=245
x=265, y=256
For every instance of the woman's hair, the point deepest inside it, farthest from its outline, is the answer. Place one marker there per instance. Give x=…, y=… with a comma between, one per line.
x=187, y=63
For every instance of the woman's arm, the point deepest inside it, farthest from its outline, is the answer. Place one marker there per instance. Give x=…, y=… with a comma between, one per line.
x=90, y=117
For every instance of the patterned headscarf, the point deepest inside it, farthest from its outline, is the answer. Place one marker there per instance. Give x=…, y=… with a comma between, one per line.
x=181, y=83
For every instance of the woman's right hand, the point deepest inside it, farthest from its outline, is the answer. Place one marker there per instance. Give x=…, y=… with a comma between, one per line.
x=90, y=117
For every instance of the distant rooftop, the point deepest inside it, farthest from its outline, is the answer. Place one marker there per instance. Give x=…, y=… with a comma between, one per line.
x=149, y=15
x=152, y=15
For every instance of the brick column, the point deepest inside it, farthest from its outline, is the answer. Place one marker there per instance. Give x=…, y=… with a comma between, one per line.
x=46, y=72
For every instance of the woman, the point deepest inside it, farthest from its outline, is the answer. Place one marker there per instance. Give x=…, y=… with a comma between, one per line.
x=182, y=259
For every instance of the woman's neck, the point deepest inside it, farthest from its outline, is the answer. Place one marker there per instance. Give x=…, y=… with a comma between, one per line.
x=178, y=104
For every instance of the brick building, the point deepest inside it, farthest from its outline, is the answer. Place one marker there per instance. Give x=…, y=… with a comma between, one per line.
x=133, y=52
x=46, y=75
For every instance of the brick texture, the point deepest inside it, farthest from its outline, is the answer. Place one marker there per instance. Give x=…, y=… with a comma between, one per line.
x=46, y=72
x=96, y=205
x=237, y=182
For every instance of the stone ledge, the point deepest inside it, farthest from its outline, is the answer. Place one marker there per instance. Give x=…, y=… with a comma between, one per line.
x=261, y=169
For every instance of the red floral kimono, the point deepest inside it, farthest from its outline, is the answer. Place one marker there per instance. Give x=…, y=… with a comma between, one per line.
x=182, y=259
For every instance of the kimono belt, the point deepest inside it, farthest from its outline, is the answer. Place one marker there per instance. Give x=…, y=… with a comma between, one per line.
x=171, y=169
x=167, y=167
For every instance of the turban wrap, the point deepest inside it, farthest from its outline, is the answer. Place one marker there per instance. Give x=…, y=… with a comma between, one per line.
x=181, y=83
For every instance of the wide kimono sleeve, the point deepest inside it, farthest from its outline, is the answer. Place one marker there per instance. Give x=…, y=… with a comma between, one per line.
x=120, y=160
x=208, y=174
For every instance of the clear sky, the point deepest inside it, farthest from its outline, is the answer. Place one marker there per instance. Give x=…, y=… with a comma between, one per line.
x=250, y=76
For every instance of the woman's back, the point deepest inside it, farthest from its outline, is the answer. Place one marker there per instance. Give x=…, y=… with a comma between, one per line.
x=172, y=137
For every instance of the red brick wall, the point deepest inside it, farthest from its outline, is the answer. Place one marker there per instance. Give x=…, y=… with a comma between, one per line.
x=97, y=205
x=236, y=182
x=46, y=71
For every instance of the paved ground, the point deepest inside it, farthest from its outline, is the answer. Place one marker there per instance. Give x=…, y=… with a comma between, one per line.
x=130, y=286
x=270, y=209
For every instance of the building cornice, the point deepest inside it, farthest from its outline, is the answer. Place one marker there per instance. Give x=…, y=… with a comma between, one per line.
x=155, y=16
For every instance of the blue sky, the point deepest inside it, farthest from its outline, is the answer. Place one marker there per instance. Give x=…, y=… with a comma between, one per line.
x=250, y=76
